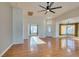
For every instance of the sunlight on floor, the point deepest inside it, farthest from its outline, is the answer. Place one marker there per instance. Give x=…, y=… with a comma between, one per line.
x=36, y=40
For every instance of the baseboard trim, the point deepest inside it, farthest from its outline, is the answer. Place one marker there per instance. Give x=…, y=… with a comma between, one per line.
x=10, y=47
x=41, y=36
x=6, y=50
x=18, y=42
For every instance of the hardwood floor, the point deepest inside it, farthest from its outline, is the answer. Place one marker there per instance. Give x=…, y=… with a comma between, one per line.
x=53, y=47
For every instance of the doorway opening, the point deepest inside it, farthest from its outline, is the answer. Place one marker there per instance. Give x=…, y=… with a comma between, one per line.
x=33, y=30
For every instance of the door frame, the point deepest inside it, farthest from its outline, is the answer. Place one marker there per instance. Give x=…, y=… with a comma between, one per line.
x=30, y=30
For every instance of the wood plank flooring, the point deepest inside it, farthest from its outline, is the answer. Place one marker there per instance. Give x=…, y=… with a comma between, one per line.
x=54, y=47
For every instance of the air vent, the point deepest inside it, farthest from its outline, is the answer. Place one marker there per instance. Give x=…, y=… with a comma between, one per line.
x=30, y=13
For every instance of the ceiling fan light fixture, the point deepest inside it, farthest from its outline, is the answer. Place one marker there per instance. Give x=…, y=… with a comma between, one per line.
x=47, y=10
x=49, y=7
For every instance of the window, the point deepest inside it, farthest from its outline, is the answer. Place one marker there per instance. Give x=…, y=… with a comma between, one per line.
x=68, y=29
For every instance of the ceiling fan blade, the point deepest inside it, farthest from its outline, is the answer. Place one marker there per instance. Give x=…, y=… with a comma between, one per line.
x=46, y=12
x=51, y=4
x=41, y=10
x=52, y=11
x=56, y=7
x=42, y=7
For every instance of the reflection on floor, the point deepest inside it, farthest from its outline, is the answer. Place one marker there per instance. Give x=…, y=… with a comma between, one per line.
x=46, y=47
x=36, y=40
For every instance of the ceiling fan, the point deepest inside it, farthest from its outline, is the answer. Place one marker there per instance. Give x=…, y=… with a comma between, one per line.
x=49, y=8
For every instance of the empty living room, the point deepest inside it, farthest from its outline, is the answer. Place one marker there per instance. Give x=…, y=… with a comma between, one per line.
x=39, y=29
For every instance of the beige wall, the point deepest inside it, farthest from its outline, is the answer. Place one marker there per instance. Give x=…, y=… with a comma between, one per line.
x=5, y=26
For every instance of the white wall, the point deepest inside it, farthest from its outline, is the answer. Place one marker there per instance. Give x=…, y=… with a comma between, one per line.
x=41, y=21
x=68, y=17
x=17, y=25
x=5, y=26
x=33, y=20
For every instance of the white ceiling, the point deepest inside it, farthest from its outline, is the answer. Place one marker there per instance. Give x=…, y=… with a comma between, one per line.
x=34, y=7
